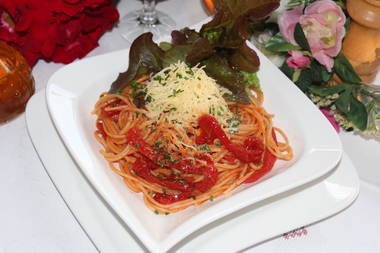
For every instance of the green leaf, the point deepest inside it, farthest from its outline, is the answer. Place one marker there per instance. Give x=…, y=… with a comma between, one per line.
x=218, y=68
x=278, y=44
x=300, y=37
x=353, y=109
x=324, y=91
x=304, y=81
x=296, y=75
x=175, y=54
x=251, y=79
x=165, y=46
x=288, y=71
x=344, y=70
x=319, y=72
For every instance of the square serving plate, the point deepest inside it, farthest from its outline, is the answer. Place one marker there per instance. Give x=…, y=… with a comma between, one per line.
x=73, y=91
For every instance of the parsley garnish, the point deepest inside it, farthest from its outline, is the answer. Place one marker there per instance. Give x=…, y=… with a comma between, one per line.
x=148, y=99
x=175, y=92
x=204, y=147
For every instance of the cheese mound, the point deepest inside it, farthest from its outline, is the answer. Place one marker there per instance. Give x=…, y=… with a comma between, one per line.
x=180, y=94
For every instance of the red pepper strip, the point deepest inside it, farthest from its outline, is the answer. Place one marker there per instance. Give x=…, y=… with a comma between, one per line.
x=210, y=175
x=167, y=199
x=187, y=167
x=229, y=157
x=210, y=130
x=145, y=165
x=143, y=168
x=209, y=172
x=134, y=138
x=268, y=162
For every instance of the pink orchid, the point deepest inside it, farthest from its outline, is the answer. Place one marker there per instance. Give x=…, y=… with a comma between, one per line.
x=323, y=24
x=331, y=118
x=297, y=60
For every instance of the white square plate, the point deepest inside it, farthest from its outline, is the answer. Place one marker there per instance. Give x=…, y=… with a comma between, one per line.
x=74, y=89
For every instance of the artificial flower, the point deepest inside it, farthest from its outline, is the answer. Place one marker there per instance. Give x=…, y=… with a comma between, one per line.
x=287, y=23
x=323, y=24
x=297, y=60
x=55, y=30
x=331, y=118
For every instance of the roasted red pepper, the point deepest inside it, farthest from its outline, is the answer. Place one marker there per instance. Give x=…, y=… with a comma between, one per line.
x=167, y=199
x=268, y=162
x=152, y=159
x=211, y=130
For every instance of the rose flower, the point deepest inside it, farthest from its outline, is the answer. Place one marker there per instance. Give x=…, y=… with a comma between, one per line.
x=55, y=30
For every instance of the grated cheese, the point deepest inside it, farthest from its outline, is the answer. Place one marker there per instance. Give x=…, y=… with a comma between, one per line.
x=180, y=94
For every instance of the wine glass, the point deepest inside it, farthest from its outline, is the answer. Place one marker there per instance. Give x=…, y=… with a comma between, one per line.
x=148, y=19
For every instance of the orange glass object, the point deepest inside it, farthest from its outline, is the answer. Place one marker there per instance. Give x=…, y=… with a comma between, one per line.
x=210, y=6
x=16, y=82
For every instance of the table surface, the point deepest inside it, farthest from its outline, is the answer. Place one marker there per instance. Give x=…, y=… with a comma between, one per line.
x=33, y=216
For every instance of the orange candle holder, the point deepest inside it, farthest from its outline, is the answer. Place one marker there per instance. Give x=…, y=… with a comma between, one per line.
x=16, y=82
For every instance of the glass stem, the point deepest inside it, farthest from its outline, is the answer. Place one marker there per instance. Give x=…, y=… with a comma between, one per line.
x=148, y=16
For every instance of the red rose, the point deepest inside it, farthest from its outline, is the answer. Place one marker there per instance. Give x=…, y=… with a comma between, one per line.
x=55, y=30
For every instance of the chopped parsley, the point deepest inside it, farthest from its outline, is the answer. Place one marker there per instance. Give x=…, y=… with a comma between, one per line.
x=234, y=122
x=168, y=157
x=175, y=92
x=157, y=78
x=148, y=99
x=135, y=85
x=218, y=144
x=204, y=147
x=157, y=143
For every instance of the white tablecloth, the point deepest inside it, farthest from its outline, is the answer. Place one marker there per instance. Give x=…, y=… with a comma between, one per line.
x=33, y=217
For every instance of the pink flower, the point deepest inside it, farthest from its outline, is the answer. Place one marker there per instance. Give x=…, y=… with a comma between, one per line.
x=331, y=118
x=297, y=60
x=323, y=24
x=287, y=23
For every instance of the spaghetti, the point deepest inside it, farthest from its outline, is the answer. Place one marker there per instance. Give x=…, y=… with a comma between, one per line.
x=180, y=164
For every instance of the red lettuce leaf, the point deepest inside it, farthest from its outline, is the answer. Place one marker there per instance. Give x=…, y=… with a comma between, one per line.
x=145, y=57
